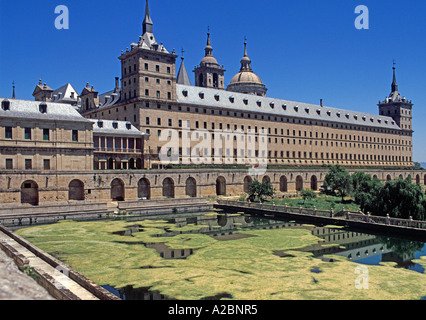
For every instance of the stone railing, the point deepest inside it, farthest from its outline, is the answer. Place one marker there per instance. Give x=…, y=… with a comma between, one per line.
x=341, y=215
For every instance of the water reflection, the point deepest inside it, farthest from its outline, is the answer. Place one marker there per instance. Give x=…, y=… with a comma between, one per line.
x=358, y=247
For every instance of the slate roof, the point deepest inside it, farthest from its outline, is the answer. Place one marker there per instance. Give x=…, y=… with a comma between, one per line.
x=26, y=109
x=116, y=128
x=226, y=100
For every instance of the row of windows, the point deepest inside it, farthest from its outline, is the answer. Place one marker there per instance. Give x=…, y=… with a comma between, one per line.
x=293, y=155
x=277, y=119
x=28, y=164
x=128, y=69
x=288, y=131
x=8, y=134
x=157, y=94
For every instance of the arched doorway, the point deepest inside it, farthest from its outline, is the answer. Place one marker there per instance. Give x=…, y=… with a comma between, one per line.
x=247, y=181
x=220, y=186
x=424, y=182
x=266, y=178
x=168, y=188
x=29, y=192
x=299, y=183
x=76, y=190
x=388, y=178
x=418, y=179
x=314, y=183
x=283, y=184
x=191, y=187
x=144, y=189
x=117, y=190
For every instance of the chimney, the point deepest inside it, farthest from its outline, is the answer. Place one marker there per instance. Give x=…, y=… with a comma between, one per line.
x=321, y=102
x=117, y=84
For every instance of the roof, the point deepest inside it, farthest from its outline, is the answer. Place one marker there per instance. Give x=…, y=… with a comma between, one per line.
x=116, y=128
x=110, y=98
x=26, y=109
x=226, y=100
x=64, y=94
x=182, y=77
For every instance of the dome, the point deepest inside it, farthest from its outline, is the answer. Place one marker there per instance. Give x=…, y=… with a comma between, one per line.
x=209, y=60
x=246, y=77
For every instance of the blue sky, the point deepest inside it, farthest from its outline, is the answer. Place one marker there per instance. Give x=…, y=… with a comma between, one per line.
x=303, y=50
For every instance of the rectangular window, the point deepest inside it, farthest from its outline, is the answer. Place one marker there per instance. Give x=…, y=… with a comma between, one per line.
x=146, y=66
x=8, y=132
x=9, y=164
x=46, y=135
x=158, y=94
x=46, y=164
x=75, y=135
x=27, y=133
x=168, y=70
x=157, y=68
x=146, y=92
x=28, y=164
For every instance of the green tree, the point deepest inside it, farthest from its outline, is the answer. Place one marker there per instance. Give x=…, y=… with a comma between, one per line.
x=401, y=199
x=338, y=179
x=366, y=191
x=308, y=195
x=259, y=191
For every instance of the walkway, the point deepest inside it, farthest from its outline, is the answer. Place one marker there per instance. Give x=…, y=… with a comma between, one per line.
x=355, y=219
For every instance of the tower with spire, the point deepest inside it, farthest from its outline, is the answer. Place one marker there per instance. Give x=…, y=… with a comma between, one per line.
x=246, y=81
x=209, y=73
x=397, y=107
x=148, y=69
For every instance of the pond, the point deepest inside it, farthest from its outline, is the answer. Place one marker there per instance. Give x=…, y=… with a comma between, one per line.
x=219, y=255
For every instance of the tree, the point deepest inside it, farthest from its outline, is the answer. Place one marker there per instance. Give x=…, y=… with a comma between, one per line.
x=259, y=191
x=401, y=199
x=338, y=179
x=308, y=195
x=366, y=191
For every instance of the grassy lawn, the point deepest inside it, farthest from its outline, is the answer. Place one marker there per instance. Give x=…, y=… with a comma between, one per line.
x=322, y=202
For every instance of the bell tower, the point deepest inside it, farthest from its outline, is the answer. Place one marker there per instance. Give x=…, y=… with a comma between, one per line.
x=209, y=73
x=397, y=107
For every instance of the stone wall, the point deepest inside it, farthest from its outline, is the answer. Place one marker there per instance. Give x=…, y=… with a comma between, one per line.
x=159, y=184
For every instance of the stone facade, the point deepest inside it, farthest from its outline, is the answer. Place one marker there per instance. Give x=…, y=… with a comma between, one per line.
x=49, y=187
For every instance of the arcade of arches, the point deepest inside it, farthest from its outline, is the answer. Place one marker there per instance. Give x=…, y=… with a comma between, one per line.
x=121, y=186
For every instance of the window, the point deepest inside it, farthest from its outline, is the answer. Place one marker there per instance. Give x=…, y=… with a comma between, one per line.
x=158, y=94
x=8, y=132
x=146, y=92
x=168, y=70
x=42, y=108
x=5, y=105
x=75, y=135
x=28, y=164
x=157, y=68
x=146, y=66
x=46, y=164
x=9, y=164
x=147, y=120
x=27, y=133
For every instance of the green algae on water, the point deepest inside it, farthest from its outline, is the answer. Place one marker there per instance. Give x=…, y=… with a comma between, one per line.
x=245, y=268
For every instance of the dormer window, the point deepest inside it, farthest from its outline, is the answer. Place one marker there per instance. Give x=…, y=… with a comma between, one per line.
x=115, y=125
x=272, y=105
x=319, y=111
x=347, y=115
x=328, y=112
x=231, y=98
x=245, y=101
x=259, y=103
x=296, y=108
x=356, y=117
x=5, y=105
x=201, y=94
x=42, y=108
x=217, y=97
x=100, y=124
x=307, y=110
x=185, y=93
x=338, y=114
x=284, y=106
x=128, y=125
